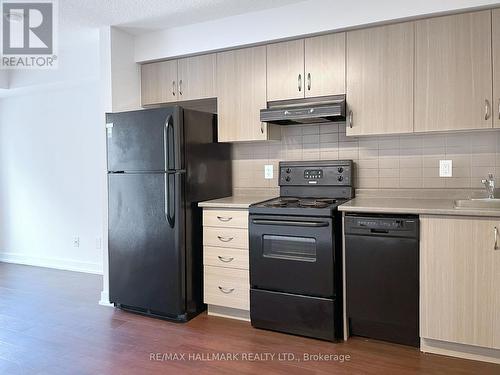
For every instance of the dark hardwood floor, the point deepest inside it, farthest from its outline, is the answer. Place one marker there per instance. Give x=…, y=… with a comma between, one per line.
x=50, y=323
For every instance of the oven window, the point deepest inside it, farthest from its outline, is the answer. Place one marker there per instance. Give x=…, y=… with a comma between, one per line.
x=287, y=247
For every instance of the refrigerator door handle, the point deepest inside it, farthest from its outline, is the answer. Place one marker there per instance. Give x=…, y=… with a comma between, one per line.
x=169, y=203
x=168, y=143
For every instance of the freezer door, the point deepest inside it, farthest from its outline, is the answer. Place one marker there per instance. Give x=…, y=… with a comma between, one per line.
x=146, y=140
x=146, y=242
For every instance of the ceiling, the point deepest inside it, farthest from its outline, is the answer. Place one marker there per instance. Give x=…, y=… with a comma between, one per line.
x=139, y=16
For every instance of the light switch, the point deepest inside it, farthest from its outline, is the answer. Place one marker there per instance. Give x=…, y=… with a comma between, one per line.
x=445, y=168
x=268, y=171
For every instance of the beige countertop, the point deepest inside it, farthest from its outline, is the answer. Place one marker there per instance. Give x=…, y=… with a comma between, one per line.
x=412, y=206
x=235, y=201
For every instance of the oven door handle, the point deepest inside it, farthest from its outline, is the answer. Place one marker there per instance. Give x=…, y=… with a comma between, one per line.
x=287, y=223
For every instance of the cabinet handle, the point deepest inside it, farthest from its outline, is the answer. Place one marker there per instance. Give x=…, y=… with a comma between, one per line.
x=225, y=239
x=299, y=79
x=496, y=239
x=309, y=81
x=224, y=219
x=180, y=87
x=486, y=109
x=262, y=128
x=350, y=119
x=226, y=290
x=173, y=88
x=225, y=259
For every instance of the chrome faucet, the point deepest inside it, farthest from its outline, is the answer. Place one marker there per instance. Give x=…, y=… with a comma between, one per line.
x=489, y=184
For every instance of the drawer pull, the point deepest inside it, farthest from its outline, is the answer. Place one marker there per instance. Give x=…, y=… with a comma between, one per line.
x=224, y=219
x=226, y=290
x=225, y=259
x=225, y=239
x=495, y=247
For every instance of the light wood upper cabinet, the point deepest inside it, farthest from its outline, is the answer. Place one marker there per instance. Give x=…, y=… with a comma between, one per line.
x=458, y=280
x=325, y=65
x=241, y=94
x=496, y=67
x=285, y=70
x=380, y=79
x=453, y=72
x=306, y=67
x=196, y=78
x=159, y=82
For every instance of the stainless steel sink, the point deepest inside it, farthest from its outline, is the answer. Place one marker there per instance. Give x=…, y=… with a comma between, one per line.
x=471, y=204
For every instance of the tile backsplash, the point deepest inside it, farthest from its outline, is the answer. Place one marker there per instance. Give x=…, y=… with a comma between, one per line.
x=382, y=162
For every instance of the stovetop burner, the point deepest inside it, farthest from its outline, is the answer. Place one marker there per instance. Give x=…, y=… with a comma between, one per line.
x=300, y=202
x=316, y=203
x=282, y=202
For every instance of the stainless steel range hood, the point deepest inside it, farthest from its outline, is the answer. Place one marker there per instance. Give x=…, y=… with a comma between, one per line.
x=305, y=111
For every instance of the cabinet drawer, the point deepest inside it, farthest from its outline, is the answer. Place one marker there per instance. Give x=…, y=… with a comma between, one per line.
x=225, y=237
x=227, y=287
x=225, y=257
x=225, y=218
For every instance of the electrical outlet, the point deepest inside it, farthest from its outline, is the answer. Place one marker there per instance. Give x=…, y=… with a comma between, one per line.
x=98, y=243
x=76, y=241
x=445, y=168
x=268, y=171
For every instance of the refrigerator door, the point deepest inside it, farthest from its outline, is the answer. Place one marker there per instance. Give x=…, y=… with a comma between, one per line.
x=145, y=140
x=146, y=243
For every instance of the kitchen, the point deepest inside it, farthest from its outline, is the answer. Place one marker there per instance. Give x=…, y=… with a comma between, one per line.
x=332, y=192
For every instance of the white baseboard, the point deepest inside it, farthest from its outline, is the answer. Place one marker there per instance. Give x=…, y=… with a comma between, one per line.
x=228, y=312
x=104, y=301
x=57, y=263
x=451, y=349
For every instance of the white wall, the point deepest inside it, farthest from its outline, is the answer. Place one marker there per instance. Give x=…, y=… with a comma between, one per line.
x=125, y=73
x=52, y=143
x=308, y=17
x=4, y=79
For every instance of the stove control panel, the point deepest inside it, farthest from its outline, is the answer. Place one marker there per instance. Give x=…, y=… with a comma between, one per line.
x=324, y=173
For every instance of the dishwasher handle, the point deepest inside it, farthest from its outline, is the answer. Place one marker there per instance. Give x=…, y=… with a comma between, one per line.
x=379, y=231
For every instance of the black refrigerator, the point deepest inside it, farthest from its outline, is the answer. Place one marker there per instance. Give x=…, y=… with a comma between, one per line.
x=161, y=163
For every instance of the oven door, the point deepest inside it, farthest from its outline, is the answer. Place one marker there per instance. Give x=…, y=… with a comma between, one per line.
x=292, y=254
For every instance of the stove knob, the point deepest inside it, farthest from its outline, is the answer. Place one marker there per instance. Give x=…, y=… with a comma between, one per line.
x=287, y=178
x=340, y=169
x=288, y=170
x=340, y=178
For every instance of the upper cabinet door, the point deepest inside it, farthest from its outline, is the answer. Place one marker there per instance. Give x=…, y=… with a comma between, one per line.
x=159, y=82
x=197, y=77
x=453, y=72
x=496, y=67
x=325, y=65
x=285, y=70
x=241, y=87
x=380, y=80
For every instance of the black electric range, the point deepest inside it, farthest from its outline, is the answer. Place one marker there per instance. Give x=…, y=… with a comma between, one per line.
x=296, y=250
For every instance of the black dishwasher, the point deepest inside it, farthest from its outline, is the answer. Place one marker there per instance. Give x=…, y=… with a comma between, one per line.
x=382, y=277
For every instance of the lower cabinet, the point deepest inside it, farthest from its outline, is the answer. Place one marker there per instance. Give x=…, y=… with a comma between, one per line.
x=225, y=262
x=226, y=287
x=460, y=280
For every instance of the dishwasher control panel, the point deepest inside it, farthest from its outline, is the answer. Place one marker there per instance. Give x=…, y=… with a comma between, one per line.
x=402, y=225
x=384, y=224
